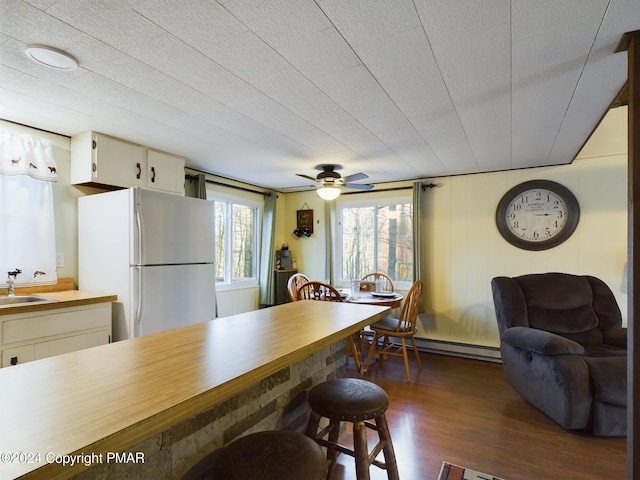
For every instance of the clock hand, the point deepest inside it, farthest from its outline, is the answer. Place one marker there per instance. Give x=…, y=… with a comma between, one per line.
x=542, y=214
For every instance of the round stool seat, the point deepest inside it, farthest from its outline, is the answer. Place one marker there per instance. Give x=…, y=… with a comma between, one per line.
x=271, y=455
x=348, y=399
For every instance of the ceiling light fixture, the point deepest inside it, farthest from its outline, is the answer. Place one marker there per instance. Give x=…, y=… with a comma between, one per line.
x=50, y=57
x=328, y=193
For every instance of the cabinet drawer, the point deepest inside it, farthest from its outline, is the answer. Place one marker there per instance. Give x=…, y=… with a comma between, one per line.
x=29, y=328
x=20, y=355
x=69, y=344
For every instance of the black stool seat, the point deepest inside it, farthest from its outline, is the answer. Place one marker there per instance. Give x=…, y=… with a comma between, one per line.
x=270, y=455
x=356, y=401
x=348, y=399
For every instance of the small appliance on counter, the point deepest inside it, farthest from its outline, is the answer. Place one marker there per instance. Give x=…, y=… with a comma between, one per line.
x=283, y=259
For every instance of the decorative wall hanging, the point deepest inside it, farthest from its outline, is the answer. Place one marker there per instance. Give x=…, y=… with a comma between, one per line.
x=304, y=222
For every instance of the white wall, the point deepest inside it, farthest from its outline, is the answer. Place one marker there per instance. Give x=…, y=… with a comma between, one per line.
x=464, y=249
x=309, y=252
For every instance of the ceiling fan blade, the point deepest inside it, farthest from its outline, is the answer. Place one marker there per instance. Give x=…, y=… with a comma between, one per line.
x=358, y=186
x=302, y=188
x=354, y=177
x=307, y=177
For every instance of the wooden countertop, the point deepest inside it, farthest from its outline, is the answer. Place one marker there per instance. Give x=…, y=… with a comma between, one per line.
x=68, y=298
x=108, y=398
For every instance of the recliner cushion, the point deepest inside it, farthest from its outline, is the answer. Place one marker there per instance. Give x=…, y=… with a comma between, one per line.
x=577, y=320
x=609, y=375
x=561, y=304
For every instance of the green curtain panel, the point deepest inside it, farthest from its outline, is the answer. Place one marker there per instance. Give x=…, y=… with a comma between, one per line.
x=329, y=221
x=417, y=230
x=201, y=187
x=267, y=260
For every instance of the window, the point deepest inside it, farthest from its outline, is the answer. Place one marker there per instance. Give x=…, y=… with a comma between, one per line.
x=375, y=236
x=237, y=240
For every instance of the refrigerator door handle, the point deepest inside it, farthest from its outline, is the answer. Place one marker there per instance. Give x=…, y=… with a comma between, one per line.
x=138, y=242
x=138, y=285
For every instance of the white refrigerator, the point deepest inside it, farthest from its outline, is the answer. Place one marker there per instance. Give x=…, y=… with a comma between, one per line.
x=155, y=251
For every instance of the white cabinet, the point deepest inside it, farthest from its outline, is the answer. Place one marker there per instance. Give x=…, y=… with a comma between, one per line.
x=98, y=159
x=165, y=172
x=31, y=336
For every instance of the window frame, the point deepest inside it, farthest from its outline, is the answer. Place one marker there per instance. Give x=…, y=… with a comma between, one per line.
x=229, y=283
x=365, y=200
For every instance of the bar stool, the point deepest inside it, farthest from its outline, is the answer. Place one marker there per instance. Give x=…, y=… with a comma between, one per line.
x=357, y=401
x=270, y=455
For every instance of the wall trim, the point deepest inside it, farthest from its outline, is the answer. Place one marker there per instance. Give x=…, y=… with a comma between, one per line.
x=477, y=352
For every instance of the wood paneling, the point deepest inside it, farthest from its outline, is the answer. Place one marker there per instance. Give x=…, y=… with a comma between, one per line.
x=464, y=250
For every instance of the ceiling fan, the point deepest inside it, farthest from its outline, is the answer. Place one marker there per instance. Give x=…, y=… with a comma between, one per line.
x=329, y=181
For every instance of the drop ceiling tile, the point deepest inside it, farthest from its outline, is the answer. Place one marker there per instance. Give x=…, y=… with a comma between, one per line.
x=345, y=85
x=319, y=54
x=448, y=21
x=113, y=23
x=33, y=26
x=448, y=142
x=200, y=23
x=165, y=89
x=248, y=57
x=404, y=53
x=361, y=21
x=279, y=22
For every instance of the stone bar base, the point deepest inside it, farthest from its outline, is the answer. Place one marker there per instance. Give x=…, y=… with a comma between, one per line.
x=276, y=402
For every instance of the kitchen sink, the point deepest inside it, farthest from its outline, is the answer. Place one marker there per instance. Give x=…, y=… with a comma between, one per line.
x=23, y=299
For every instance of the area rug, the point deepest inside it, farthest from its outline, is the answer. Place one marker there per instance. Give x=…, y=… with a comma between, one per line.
x=448, y=471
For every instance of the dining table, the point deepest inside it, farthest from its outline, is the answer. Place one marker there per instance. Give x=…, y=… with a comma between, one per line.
x=381, y=299
x=362, y=338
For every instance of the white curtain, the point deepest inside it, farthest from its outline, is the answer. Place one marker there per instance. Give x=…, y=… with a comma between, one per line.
x=27, y=226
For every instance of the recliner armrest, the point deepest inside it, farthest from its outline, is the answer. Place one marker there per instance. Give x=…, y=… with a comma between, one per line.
x=540, y=341
x=616, y=336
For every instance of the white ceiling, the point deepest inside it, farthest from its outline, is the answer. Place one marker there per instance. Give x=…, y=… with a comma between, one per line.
x=260, y=90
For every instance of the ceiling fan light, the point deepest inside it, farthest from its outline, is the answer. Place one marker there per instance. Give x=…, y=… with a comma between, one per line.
x=328, y=193
x=50, y=57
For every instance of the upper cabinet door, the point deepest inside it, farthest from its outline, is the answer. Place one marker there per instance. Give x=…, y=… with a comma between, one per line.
x=118, y=163
x=165, y=172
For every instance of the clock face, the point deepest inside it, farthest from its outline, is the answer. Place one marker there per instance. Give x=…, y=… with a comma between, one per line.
x=537, y=215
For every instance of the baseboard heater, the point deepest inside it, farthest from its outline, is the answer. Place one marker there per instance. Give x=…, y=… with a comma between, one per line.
x=477, y=352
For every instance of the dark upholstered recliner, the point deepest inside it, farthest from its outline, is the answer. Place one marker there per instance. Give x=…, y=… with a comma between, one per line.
x=564, y=349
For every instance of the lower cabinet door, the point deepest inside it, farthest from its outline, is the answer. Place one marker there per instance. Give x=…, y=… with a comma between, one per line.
x=58, y=347
x=17, y=355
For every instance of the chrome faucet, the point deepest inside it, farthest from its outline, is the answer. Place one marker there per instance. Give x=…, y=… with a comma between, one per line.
x=10, y=291
x=10, y=286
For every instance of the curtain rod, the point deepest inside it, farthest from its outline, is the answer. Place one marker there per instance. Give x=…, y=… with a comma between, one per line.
x=394, y=189
x=237, y=187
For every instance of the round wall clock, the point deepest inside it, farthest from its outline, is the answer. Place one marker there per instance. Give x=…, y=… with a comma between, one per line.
x=537, y=215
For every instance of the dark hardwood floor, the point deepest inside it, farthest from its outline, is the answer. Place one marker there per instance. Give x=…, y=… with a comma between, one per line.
x=463, y=411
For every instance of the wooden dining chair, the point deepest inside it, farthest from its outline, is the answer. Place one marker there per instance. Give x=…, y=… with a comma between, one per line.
x=315, y=290
x=322, y=291
x=389, y=331
x=294, y=282
x=387, y=283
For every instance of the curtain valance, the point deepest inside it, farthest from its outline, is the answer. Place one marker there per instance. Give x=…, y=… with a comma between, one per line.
x=26, y=155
